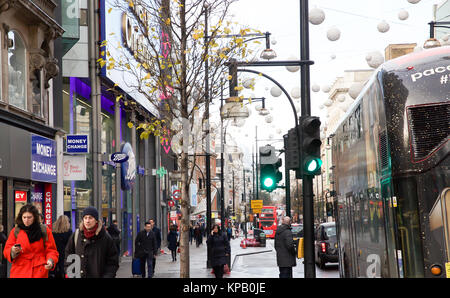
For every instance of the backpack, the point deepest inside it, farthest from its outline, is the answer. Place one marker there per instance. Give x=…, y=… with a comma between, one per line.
x=43, y=230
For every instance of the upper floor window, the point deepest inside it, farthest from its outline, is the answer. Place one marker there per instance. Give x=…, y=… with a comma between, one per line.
x=16, y=70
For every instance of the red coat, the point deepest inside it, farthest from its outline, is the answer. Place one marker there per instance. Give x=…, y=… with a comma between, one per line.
x=31, y=260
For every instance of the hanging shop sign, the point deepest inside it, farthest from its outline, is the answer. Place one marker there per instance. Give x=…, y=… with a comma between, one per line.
x=74, y=167
x=43, y=159
x=77, y=144
x=119, y=157
x=20, y=196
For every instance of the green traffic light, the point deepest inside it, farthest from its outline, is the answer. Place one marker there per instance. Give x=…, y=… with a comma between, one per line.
x=268, y=182
x=313, y=165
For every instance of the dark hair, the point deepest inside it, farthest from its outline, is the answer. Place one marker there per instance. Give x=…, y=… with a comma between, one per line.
x=147, y=223
x=216, y=225
x=27, y=208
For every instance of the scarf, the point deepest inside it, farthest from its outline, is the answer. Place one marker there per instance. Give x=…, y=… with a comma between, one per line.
x=33, y=231
x=90, y=233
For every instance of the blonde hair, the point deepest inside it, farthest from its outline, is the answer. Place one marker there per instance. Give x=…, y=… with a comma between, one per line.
x=62, y=224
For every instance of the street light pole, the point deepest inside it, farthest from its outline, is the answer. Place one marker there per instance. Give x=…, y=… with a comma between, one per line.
x=208, y=158
x=308, y=204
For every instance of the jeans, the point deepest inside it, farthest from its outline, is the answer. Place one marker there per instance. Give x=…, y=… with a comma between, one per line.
x=285, y=272
x=149, y=261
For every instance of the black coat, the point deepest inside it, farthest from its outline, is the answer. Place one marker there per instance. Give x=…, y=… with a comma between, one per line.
x=172, y=238
x=284, y=245
x=157, y=234
x=61, y=240
x=219, y=246
x=145, y=245
x=99, y=256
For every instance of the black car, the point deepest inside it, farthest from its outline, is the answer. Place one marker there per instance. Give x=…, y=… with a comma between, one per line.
x=326, y=250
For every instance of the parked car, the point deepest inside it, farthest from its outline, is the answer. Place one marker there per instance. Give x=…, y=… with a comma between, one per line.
x=326, y=250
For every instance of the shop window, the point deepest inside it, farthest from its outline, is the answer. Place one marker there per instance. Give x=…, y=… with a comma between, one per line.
x=16, y=70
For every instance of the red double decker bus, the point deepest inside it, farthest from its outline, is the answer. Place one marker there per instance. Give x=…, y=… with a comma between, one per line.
x=268, y=221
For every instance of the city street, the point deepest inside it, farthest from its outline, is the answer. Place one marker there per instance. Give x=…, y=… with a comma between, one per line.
x=260, y=265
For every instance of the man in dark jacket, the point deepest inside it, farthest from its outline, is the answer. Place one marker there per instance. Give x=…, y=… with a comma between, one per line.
x=157, y=234
x=284, y=245
x=146, y=247
x=94, y=246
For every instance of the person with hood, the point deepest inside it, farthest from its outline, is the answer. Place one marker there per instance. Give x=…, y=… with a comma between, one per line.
x=284, y=245
x=30, y=246
x=95, y=247
x=220, y=249
x=61, y=233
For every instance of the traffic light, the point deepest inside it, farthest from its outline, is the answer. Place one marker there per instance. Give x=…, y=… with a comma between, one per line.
x=292, y=150
x=309, y=143
x=269, y=168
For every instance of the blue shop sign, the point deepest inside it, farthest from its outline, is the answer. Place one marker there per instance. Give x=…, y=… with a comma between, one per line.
x=77, y=144
x=43, y=159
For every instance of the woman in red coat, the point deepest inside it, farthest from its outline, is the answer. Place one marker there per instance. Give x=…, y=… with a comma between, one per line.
x=30, y=247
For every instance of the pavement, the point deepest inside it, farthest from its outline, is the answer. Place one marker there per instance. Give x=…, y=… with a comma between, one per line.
x=165, y=268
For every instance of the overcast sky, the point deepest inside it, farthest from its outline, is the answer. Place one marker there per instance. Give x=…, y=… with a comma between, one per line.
x=356, y=19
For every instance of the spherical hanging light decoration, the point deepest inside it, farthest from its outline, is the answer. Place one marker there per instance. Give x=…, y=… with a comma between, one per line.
x=333, y=34
x=383, y=26
x=273, y=42
x=376, y=59
x=258, y=107
x=315, y=88
x=316, y=16
x=269, y=119
x=321, y=107
x=295, y=92
x=278, y=131
x=403, y=15
x=341, y=98
x=413, y=1
x=275, y=91
x=328, y=103
x=355, y=89
x=333, y=56
x=326, y=88
x=293, y=68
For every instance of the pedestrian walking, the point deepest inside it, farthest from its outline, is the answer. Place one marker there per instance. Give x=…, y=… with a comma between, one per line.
x=146, y=246
x=229, y=232
x=61, y=234
x=114, y=232
x=95, y=247
x=191, y=233
x=157, y=232
x=284, y=245
x=172, y=239
x=198, y=235
x=220, y=249
x=30, y=246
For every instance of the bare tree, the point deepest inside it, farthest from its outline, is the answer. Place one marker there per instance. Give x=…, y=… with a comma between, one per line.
x=164, y=52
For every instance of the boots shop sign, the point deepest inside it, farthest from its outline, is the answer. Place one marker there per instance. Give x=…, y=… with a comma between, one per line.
x=43, y=159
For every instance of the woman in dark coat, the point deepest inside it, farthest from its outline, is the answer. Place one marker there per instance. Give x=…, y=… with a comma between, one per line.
x=220, y=250
x=94, y=246
x=61, y=233
x=172, y=238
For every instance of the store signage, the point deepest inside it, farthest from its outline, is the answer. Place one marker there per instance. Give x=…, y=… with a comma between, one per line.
x=193, y=194
x=48, y=206
x=77, y=144
x=121, y=42
x=119, y=157
x=43, y=159
x=128, y=169
x=74, y=168
x=20, y=196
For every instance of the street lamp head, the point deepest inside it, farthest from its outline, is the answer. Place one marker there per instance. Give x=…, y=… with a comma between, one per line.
x=234, y=108
x=264, y=112
x=268, y=54
x=431, y=43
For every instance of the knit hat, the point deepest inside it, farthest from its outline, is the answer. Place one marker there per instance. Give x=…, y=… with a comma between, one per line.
x=90, y=211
